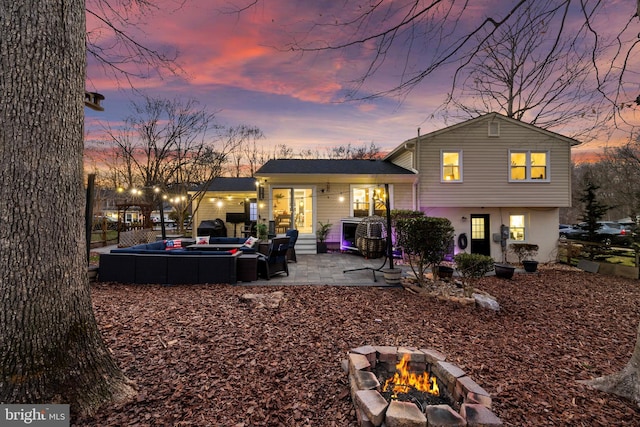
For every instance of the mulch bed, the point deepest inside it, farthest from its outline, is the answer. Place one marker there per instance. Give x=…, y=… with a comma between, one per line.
x=203, y=357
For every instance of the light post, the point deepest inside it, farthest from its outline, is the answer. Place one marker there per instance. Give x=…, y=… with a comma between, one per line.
x=163, y=228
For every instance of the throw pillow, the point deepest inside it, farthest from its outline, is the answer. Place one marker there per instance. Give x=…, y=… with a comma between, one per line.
x=202, y=240
x=173, y=244
x=251, y=241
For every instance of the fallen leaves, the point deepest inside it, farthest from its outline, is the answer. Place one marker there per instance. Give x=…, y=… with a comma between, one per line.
x=202, y=357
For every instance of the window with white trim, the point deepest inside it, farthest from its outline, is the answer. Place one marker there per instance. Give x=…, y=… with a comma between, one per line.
x=517, y=227
x=528, y=166
x=367, y=200
x=451, y=166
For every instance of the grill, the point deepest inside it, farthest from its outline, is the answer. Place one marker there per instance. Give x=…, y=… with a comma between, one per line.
x=213, y=228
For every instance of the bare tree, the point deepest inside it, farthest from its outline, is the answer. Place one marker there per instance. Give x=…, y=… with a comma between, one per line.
x=622, y=181
x=348, y=151
x=110, y=43
x=51, y=350
x=416, y=39
x=173, y=145
x=625, y=383
x=159, y=138
x=530, y=70
x=255, y=154
x=245, y=154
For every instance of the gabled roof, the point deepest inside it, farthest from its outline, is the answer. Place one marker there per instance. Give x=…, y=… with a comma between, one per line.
x=491, y=116
x=331, y=167
x=232, y=184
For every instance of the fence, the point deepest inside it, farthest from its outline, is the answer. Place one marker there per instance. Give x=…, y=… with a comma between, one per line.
x=605, y=259
x=136, y=237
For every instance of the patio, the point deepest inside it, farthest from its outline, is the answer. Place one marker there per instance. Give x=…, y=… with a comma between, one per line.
x=328, y=269
x=322, y=269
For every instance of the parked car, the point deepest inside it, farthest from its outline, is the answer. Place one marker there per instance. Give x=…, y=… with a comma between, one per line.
x=608, y=232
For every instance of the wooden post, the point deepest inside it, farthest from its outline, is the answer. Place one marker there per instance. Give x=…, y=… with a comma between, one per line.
x=88, y=211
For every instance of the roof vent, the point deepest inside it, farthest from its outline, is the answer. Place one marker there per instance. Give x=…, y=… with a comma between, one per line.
x=494, y=128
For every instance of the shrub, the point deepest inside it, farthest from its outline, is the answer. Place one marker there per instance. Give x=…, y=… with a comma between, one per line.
x=524, y=251
x=399, y=214
x=426, y=241
x=472, y=267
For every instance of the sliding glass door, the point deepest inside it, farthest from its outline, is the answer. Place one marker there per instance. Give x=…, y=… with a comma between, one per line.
x=293, y=208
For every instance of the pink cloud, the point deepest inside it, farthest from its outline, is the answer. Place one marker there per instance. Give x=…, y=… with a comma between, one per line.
x=223, y=51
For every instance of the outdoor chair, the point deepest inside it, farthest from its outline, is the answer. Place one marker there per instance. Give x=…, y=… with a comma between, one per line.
x=293, y=238
x=275, y=262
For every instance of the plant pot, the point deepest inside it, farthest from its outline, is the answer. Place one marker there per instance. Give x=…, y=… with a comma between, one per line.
x=445, y=272
x=504, y=271
x=530, y=266
x=321, y=247
x=392, y=275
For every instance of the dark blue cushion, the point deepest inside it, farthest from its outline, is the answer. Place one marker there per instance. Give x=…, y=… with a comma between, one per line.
x=130, y=250
x=159, y=245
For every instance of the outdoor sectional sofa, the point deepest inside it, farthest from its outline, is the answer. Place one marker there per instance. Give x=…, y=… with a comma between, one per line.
x=153, y=263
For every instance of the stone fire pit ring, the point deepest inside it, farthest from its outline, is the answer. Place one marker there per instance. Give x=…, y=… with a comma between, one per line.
x=372, y=409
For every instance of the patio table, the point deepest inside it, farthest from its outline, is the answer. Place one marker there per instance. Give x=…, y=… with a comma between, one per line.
x=214, y=247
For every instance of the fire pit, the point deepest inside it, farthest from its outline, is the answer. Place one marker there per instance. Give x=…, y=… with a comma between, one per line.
x=406, y=386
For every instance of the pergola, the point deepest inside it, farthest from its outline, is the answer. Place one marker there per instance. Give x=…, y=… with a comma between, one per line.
x=145, y=208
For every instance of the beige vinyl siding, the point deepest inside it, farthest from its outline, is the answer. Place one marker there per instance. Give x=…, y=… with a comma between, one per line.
x=209, y=210
x=403, y=196
x=329, y=208
x=404, y=159
x=485, y=168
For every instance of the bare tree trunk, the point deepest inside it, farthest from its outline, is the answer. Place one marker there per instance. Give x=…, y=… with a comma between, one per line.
x=625, y=383
x=51, y=350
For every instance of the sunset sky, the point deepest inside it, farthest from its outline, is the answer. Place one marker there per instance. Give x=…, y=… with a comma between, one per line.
x=238, y=65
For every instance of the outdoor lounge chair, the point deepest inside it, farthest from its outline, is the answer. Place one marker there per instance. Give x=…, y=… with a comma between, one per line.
x=293, y=238
x=275, y=261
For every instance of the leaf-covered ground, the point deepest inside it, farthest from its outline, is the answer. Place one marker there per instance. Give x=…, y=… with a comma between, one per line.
x=202, y=357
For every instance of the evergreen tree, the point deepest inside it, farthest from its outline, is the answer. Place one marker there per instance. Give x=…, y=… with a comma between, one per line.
x=593, y=210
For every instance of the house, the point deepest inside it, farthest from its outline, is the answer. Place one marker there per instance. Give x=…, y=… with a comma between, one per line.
x=233, y=200
x=339, y=192
x=491, y=176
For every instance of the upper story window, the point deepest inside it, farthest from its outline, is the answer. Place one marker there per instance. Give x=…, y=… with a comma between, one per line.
x=368, y=200
x=451, y=162
x=529, y=166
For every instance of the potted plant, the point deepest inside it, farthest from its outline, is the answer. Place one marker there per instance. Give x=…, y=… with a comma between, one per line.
x=525, y=253
x=504, y=271
x=262, y=231
x=444, y=271
x=321, y=236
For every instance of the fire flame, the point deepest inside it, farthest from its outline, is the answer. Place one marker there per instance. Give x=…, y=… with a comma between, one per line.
x=403, y=380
